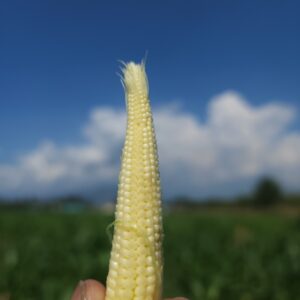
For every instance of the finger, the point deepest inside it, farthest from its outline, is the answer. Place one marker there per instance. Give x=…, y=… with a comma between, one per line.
x=89, y=290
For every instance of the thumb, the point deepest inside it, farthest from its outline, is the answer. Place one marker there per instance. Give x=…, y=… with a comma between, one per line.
x=89, y=290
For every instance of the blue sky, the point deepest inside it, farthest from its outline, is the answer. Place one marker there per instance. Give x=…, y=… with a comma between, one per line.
x=58, y=64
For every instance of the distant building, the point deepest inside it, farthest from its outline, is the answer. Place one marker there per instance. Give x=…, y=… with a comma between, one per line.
x=107, y=207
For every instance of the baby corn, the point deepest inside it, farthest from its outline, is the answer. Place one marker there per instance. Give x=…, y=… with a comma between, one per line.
x=135, y=268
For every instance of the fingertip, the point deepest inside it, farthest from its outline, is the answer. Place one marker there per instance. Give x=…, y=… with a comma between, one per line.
x=89, y=289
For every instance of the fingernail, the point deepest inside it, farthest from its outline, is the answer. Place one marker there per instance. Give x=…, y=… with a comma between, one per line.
x=82, y=290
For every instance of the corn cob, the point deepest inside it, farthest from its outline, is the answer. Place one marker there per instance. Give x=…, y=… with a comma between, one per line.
x=135, y=268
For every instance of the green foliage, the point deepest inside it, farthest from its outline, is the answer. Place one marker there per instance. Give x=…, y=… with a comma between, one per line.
x=207, y=257
x=267, y=192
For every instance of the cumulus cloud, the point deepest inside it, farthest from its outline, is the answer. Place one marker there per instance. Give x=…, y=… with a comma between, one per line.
x=235, y=144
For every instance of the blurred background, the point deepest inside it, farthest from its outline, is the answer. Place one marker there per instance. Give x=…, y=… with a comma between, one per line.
x=225, y=95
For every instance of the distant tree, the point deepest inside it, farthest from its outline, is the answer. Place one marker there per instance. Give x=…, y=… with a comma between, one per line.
x=267, y=192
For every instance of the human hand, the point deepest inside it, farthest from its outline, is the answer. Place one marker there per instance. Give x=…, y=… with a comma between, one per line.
x=93, y=290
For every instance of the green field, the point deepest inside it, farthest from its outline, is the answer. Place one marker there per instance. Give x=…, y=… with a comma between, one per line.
x=207, y=256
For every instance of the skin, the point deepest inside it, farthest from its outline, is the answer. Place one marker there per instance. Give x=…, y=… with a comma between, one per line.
x=93, y=290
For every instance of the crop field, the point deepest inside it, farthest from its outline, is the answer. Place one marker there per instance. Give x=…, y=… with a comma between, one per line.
x=210, y=256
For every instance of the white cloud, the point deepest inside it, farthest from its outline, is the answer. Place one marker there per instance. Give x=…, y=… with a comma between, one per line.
x=236, y=144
